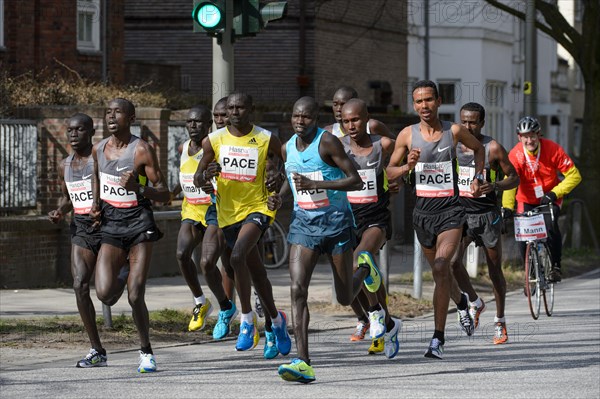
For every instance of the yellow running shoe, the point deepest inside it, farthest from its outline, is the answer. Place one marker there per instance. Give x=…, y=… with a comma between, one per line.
x=256, y=337
x=297, y=371
x=376, y=346
x=200, y=313
x=373, y=280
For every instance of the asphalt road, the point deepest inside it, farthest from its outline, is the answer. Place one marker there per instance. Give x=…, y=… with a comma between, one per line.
x=553, y=357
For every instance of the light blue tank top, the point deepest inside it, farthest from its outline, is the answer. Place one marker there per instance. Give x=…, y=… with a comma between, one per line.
x=322, y=212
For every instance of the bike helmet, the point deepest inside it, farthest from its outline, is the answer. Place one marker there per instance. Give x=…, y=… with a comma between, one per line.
x=528, y=124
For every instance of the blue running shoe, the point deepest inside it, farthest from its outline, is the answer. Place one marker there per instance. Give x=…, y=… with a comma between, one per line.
x=221, y=329
x=282, y=338
x=247, y=337
x=270, y=350
x=373, y=280
x=298, y=371
x=391, y=344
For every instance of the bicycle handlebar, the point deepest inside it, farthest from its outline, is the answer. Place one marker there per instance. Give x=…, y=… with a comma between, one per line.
x=538, y=210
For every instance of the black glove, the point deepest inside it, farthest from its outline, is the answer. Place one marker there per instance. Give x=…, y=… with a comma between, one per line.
x=507, y=213
x=548, y=198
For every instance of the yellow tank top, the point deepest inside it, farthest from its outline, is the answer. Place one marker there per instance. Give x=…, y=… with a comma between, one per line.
x=195, y=201
x=241, y=186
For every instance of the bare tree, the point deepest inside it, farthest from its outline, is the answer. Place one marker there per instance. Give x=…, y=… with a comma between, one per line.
x=584, y=47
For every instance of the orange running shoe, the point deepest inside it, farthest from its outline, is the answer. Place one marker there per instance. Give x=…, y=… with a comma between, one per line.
x=501, y=336
x=475, y=312
x=359, y=333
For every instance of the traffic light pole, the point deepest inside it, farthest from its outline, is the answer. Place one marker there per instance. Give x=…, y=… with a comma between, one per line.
x=222, y=69
x=530, y=103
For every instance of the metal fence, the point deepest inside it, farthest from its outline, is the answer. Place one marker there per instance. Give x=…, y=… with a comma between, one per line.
x=18, y=164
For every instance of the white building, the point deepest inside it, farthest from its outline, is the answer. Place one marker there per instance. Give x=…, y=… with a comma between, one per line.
x=477, y=54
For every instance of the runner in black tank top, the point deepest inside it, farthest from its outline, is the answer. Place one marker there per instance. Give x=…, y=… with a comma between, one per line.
x=484, y=223
x=369, y=155
x=75, y=176
x=123, y=166
x=438, y=216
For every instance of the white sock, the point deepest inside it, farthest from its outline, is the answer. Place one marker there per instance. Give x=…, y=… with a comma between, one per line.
x=499, y=319
x=477, y=302
x=278, y=321
x=247, y=317
x=199, y=300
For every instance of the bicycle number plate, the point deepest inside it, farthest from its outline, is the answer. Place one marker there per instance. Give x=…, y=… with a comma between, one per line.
x=530, y=228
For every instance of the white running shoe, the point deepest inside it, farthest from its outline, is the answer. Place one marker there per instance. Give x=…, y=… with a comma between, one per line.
x=391, y=343
x=377, y=324
x=147, y=363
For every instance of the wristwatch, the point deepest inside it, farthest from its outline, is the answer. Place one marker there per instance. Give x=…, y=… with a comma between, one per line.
x=141, y=190
x=480, y=177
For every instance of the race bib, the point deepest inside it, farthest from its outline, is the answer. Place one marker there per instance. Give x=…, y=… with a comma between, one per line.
x=539, y=191
x=465, y=178
x=530, y=228
x=238, y=163
x=81, y=196
x=311, y=199
x=434, y=179
x=368, y=193
x=194, y=195
x=112, y=192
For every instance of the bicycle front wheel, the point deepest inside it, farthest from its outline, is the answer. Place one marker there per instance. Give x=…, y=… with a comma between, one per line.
x=276, y=249
x=546, y=268
x=532, y=280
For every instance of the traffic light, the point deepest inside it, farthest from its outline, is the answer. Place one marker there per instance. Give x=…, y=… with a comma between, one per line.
x=250, y=17
x=209, y=16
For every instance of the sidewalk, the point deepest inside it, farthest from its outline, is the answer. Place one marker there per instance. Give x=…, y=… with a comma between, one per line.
x=172, y=292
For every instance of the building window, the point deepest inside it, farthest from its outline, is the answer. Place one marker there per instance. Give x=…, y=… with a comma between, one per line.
x=1, y=23
x=186, y=82
x=447, y=92
x=494, y=109
x=88, y=25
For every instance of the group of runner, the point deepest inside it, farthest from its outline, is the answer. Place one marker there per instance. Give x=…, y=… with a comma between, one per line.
x=234, y=180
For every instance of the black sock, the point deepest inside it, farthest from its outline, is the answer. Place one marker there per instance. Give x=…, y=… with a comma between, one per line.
x=101, y=351
x=390, y=325
x=439, y=335
x=375, y=307
x=147, y=350
x=464, y=302
x=225, y=304
x=364, y=320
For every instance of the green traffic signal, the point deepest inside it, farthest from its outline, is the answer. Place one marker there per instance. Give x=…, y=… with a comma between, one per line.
x=210, y=16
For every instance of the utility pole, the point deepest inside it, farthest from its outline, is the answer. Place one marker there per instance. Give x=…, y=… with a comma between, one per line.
x=530, y=87
x=222, y=66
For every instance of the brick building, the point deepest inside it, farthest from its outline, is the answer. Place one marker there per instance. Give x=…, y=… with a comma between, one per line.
x=53, y=36
x=319, y=46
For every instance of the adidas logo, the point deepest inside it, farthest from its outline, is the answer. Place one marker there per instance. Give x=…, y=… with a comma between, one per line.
x=252, y=141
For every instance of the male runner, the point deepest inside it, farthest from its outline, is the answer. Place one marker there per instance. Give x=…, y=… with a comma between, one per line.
x=369, y=154
x=75, y=177
x=123, y=166
x=319, y=174
x=484, y=221
x=240, y=152
x=199, y=224
x=438, y=216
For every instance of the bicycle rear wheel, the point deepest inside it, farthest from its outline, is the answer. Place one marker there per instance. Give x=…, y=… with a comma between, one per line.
x=546, y=268
x=532, y=280
x=276, y=249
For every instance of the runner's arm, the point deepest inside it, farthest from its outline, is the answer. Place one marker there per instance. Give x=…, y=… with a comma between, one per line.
x=64, y=203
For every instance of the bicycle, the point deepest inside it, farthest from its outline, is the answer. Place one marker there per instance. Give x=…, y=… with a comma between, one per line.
x=531, y=228
x=275, y=246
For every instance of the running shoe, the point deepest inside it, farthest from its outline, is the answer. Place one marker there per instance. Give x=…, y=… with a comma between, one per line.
x=373, y=280
x=93, y=359
x=221, y=329
x=475, y=312
x=390, y=339
x=359, y=333
x=247, y=336
x=199, y=315
x=435, y=350
x=147, y=363
x=298, y=371
x=465, y=321
x=282, y=338
x=376, y=346
x=500, y=337
x=270, y=350
x=377, y=324
x=258, y=306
